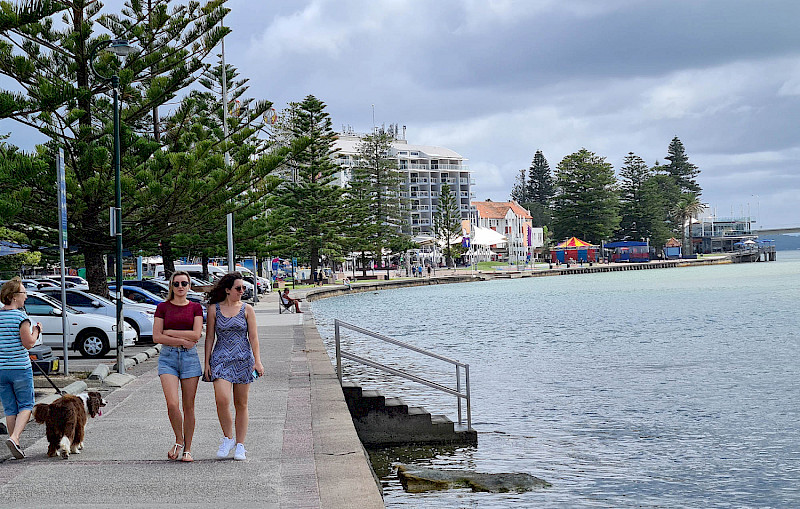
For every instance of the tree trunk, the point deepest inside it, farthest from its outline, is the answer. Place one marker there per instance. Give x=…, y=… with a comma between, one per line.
x=166, y=257
x=204, y=261
x=95, y=270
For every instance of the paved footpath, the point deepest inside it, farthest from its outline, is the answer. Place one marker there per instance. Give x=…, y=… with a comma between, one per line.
x=302, y=448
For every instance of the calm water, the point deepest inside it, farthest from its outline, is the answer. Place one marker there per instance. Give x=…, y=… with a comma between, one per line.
x=658, y=388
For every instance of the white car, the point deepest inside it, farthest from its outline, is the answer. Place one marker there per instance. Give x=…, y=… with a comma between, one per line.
x=139, y=316
x=90, y=334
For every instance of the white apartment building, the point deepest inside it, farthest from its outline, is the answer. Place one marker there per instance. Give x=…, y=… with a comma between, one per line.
x=513, y=221
x=425, y=168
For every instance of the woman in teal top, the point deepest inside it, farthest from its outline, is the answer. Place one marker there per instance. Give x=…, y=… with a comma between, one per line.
x=16, y=377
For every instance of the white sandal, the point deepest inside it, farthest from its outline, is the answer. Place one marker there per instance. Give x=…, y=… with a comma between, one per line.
x=175, y=452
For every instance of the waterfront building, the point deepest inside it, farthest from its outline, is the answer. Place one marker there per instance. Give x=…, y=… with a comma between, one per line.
x=425, y=168
x=513, y=221
x=713, y=234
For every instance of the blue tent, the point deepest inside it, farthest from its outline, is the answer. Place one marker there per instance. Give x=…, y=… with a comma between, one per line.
x=629, y=251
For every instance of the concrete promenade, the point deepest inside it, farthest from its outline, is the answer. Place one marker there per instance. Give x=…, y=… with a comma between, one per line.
x=302, y=448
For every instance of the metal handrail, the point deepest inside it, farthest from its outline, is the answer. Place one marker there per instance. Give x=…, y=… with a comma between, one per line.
x=361, y=360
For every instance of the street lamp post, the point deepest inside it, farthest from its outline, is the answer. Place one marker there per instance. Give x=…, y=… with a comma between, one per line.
x=121, y=48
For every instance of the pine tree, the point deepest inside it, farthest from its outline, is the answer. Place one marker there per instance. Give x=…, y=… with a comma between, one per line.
x=679, y=167
x=586, y=204
x=642, y=205
x=308, y=204
x=62, y=98
x=519, y=192
x=540, y=181
x=447, y=222
x=374, y=199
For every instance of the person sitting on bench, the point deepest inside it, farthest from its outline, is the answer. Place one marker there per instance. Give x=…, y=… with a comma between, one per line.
x=286, y=300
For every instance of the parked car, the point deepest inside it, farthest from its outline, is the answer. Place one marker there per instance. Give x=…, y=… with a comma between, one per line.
x=139, y=317
x=46, y=362
x=55, y=282
x=161, y=288
x=73, y=279
x=214, y=272
x=142, y=296
x=90, y=334
x=139, y=295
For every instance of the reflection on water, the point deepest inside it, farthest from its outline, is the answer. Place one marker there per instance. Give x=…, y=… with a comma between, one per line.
x=658, y=388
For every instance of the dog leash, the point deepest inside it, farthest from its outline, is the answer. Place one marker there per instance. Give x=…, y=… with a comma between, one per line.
x=58, y=391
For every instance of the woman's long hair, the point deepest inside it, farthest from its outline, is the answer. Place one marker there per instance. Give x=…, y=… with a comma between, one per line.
x=218, y=293
x=171, y=292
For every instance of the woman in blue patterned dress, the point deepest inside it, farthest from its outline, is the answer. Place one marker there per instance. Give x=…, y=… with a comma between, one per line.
x=232, y=355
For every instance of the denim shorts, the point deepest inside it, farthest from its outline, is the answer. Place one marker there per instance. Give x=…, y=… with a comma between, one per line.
x=16, y=390
x=179, y=361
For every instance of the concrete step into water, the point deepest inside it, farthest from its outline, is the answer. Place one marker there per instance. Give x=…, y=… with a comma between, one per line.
x=386, y=421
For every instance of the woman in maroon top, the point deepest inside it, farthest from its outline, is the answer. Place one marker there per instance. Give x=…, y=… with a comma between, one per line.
x=178, y=326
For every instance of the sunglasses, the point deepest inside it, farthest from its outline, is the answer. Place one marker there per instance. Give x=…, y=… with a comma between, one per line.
x=239, y=288
x=180, y=283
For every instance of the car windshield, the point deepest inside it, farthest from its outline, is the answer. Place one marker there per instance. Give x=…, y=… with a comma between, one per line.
x=149, y=294
x=57, y=303
x=102, y=300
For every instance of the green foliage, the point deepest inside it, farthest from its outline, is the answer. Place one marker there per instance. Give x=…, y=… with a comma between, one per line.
x=642, y=203
x=307, y=218
x=58, y=93
x=586, y=204
x=540, y=188
x=679, y=167
x=374, y=214
x=10, y=264
x=534, y=190
x=684, y=211
x=447, y=222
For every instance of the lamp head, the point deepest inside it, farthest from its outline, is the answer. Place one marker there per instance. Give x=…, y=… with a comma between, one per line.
x=121, y=47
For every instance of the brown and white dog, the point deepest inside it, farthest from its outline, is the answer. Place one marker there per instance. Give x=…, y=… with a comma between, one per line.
x=66, y=419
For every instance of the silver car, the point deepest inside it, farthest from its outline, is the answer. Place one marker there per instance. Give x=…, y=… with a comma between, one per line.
x=90, y=334
x=138, y=316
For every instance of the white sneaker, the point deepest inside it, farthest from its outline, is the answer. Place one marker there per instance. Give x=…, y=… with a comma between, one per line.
x=225, y=447
x=240, y=453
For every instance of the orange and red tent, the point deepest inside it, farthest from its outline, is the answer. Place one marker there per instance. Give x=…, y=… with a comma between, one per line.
x=573, y=242
x=574, y=249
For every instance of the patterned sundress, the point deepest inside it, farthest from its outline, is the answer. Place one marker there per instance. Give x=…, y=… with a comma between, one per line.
x=232, y=358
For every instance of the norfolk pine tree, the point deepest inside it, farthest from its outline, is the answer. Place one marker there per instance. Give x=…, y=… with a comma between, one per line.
x=63, y=99
x=586, y=202
x=308, y=206
x=447, y=222
x=679, y=167
x=374, y=199
x=642, y=205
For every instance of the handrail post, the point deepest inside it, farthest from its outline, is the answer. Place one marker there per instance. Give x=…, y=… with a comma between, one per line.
x=338, y=352
x=469, y=407
x=458, y=389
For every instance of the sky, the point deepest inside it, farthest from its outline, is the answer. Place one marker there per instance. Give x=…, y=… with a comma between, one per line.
x=497, y=80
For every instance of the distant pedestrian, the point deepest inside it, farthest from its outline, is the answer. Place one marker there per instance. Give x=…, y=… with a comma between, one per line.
x=232, y=357
x=16, y=375
x=429, y=271
x=178, y=326
x=320, y=277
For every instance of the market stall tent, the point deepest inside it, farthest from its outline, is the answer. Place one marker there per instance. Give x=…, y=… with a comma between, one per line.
x=574, y=250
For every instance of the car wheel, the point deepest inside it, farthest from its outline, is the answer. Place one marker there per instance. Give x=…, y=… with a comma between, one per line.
x=135, y=326
x=93, y=343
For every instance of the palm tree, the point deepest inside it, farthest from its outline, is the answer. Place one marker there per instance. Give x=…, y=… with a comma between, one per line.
x=684, y=211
